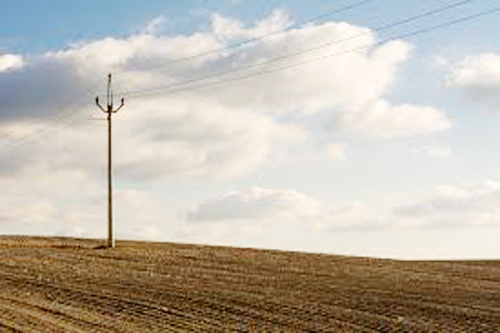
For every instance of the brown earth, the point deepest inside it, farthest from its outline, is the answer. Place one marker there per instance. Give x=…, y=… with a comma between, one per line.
x=69, y=285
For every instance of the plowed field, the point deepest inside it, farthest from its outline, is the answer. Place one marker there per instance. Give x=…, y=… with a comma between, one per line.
x=69, y=285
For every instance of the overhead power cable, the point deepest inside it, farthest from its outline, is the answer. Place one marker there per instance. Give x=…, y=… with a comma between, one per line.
x=59, y=123
x=58, y=119
x=47, y=123
x=329, y=56
x=251, y=40
x=299, y=53
x=146, y=92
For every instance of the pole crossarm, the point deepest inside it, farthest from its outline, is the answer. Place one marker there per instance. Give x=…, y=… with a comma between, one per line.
x=99, y=105
x=109, y=110
x=121, y=105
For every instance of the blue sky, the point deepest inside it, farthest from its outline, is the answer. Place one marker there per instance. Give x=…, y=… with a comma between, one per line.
x=31, y=26
x=390, y=151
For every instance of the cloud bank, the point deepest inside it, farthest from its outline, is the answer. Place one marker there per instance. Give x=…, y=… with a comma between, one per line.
x=204, y=132
x=220, y=131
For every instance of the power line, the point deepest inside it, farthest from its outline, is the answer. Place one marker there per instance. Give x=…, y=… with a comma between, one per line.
x=59, y=118
x=240, y=78
x=256, y=39
x=251, y=40
x=32, y=122
x=302, y=52
x=422, y=31
x=59, y=123
x=277, y=59
x=235, y=45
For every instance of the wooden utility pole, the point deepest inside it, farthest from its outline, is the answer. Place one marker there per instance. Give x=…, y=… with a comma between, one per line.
x=109, y=111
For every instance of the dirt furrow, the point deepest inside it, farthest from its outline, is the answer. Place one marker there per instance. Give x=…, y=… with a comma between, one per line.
x=69, y=285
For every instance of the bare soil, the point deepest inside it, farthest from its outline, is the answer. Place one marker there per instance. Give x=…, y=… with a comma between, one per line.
x=70, y=285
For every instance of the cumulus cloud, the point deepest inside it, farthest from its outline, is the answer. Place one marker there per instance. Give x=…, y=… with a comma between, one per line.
x=336, y=152
x=257, y=204
x=474, y=204
x=433, y=151
x=259, y=208
x=29, y=202
x=226, y=130
x=46, y=87
x=10, y=62
x=218, y=131
x=230, y=29
x=480, y=71
x=463, y=205
x=381, y=119
x=21, y=210
x=343, y=82
x=221, y=131
x=478, y=76
x=197, y=138
x=155, y=25
x=75, y=204
x=192, y=140
x=195, y=135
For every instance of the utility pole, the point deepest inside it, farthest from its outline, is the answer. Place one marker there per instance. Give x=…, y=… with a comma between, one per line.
x=109, y=110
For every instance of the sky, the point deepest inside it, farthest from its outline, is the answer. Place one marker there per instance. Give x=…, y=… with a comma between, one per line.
x=363, y=127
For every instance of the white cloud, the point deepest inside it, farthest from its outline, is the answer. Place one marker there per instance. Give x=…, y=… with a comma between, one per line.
x=381, y=119
x=10, y=62
x=147, y=232
x=336, y=152
x=229, y=29
x=29, y=203
x=24, y=210
x=478, y=76
x=481, y=70
x=155, y=25
x=260, y=208
x=442, y=62
x=466, y=205
x=132, y=198
x=356, y=216
x=223, y=131
x=434, y=151
x=197, y=138
x=258, y=204
x=474, y=204
x=343, y=82
x=192, y=140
